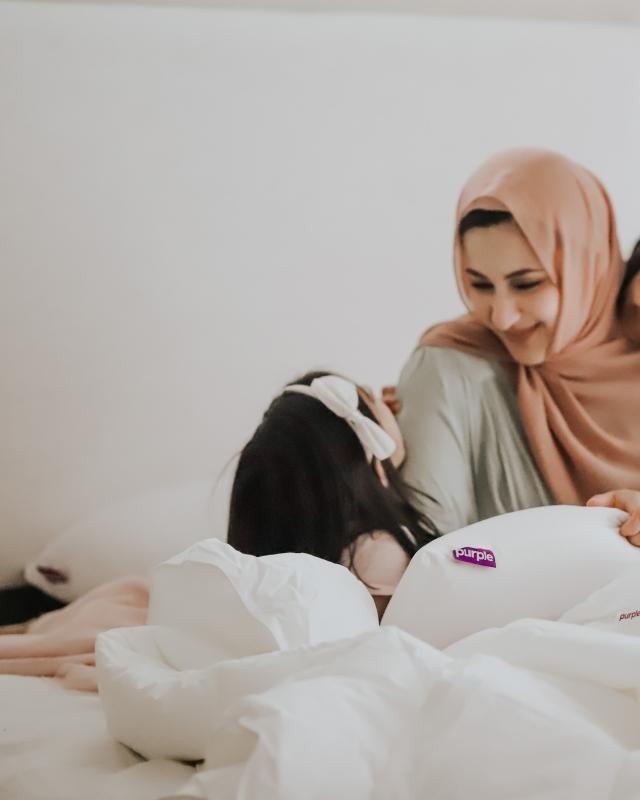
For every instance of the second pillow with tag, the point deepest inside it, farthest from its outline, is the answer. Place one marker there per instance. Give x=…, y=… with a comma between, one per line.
x=535, y=563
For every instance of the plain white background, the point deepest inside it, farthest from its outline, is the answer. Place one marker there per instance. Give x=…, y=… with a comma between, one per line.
x=197, y=204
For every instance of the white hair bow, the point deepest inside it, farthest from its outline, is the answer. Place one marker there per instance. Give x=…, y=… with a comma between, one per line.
x=341, y=396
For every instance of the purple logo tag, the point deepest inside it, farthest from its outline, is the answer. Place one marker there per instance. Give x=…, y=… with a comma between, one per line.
x=475, y=555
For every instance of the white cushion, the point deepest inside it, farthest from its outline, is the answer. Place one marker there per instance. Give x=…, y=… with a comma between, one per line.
x=535, y=563
x=215, y=603
x=213, y=614
x=125, y=538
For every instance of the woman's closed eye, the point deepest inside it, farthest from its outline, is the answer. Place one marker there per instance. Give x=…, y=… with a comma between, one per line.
x=481, y=286
x=523, y=287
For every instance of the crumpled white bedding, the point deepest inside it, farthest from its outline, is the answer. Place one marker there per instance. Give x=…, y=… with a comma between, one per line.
x=536, y=709
x=54, y=745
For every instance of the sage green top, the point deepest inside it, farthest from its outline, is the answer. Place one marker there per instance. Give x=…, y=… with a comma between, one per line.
x=465, y=443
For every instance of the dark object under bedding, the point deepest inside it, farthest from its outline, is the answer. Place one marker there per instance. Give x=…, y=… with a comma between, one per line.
x=24, y=603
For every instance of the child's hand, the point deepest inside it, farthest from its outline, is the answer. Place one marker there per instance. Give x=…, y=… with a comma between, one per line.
x=631, y=310
x=390, y=399
x=626, y=500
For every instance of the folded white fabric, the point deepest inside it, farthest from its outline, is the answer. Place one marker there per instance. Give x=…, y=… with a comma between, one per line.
x=534, y=563
x=208, y=607
x=537, y=709
x=615, y=607
x=213, y=603
x=386, y=716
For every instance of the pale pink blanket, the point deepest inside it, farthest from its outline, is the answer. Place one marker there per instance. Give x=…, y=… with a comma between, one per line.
x=61, y=644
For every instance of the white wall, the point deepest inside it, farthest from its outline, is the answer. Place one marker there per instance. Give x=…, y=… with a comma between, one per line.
x=621, y=12
x=196, y=205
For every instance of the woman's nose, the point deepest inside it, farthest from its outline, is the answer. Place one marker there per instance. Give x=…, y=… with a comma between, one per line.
x=504, y=312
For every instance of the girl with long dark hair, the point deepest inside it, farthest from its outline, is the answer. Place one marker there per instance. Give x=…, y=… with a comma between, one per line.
x=319, y=476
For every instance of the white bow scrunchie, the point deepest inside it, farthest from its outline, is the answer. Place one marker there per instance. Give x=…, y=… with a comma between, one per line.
x=341, y=396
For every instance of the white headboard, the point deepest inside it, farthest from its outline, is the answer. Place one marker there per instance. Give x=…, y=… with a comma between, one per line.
x=197, y=204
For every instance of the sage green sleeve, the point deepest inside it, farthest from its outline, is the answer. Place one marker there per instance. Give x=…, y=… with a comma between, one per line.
x=466, y=446
x=436, y=419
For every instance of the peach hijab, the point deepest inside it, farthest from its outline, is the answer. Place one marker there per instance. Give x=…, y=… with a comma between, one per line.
x=580, y=408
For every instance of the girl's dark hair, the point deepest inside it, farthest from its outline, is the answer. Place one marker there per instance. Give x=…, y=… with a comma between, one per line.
x=481, y=218
x=303, y=484
x=632, y=269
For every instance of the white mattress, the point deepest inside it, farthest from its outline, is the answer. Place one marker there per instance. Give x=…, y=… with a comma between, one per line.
x=54, y=744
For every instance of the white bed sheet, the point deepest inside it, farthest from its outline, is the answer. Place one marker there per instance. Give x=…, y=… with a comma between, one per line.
x=535, y=710
x=54, y=745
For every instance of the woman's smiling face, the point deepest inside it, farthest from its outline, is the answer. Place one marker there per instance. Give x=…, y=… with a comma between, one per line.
x=509, y=291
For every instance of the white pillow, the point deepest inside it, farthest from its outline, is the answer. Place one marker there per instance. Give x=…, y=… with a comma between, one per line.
x=213, y=615
x=215, y=603
x=129, y=537
x=535, y=563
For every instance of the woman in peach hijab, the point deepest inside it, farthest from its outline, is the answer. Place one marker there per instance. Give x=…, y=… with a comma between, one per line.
x=533, y=397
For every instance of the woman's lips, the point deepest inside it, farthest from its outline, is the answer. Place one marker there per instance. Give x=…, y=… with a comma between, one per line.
x=520, y=336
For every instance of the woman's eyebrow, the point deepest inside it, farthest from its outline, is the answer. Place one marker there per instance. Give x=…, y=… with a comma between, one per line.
x=476, y=274
x=516, y=274
x=520, y=272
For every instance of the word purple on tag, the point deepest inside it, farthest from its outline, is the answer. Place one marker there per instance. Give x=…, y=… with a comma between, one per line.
x=475, y=555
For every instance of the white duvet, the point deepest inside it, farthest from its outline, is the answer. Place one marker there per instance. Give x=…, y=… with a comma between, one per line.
x=536, y=709
x=54, y=745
